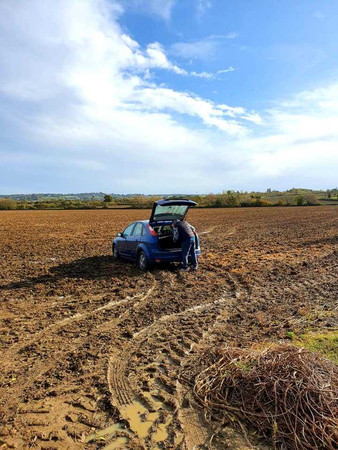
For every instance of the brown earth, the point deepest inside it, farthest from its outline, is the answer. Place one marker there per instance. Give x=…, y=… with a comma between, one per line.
x=92, y=349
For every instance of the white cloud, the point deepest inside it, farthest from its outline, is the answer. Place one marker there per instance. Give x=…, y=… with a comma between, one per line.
x=203, y=49
x=302, y=136
x=231, y=35
x=96, y=63
x=229, y=69
x=78, y=92
x=182, y=103
x=158, y=59
x=241, y=113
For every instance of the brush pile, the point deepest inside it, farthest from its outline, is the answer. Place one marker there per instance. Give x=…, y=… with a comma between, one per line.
x=289, y=396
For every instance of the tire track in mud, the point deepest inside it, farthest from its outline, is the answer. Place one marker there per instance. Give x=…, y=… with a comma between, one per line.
x=74, y=421
x=78, y=317
x=117, y=381
x=57, y=423
x=143, y=377
x=208, y=230
x=148, y=405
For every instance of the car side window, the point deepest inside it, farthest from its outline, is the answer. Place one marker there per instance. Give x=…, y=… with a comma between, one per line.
x=128, y=230
x=138, y=230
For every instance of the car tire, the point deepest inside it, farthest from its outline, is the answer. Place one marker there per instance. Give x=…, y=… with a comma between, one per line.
x=116, y=254
x=142, y=262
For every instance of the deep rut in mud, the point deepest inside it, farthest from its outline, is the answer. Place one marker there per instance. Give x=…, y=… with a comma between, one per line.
x=144, y=375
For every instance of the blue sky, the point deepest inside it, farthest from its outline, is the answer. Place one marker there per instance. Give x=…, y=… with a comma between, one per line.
x=168, y=96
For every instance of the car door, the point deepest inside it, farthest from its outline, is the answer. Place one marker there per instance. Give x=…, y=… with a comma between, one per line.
x=123, y=244
x=134, y=240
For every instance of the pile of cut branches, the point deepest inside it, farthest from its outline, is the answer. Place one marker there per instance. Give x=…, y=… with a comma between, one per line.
x=288, y=395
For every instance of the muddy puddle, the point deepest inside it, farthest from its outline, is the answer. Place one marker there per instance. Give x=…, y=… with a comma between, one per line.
x=142, y=423
x=110, y=434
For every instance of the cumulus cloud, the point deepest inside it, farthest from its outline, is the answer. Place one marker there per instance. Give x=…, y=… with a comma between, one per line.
x=89, y=60
x=158, y=59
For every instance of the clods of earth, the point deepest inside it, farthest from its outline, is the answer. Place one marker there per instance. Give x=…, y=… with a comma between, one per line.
x=92, y=349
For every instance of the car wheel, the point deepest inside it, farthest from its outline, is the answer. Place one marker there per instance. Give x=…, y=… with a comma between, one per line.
x=142, y=261
x=116, y=254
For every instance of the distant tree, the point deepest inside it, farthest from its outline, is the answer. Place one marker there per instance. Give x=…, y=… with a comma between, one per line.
x=328, y=193
x=7, y=203
x=311, y=199
x=197, y=198
x=269, y=190
x=256, y=196
x=209, y=200
x=107, y=198
x=231, y=199
x=300, y=200
x=218, y=202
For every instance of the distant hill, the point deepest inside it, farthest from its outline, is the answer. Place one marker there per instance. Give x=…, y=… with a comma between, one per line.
x=230, y=199
x=78, y=196
x=86, y=196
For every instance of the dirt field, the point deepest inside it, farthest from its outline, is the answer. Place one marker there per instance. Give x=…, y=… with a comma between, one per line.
x=92, y=349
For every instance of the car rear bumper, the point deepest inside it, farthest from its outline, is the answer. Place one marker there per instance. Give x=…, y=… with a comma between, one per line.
x=170, y=255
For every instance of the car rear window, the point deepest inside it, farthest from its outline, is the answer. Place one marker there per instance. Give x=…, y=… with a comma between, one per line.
x=170, y=212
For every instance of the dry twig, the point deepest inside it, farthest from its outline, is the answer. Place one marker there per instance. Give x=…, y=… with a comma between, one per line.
x=289, y=395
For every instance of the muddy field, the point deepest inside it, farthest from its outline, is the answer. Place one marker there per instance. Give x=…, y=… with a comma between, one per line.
x=92, y=349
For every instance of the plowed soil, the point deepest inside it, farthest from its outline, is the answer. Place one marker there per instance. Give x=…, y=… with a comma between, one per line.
x=92, y=348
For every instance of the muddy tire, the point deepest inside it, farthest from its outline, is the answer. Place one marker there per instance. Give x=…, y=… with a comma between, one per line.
x=142, y=262
x=116, y=254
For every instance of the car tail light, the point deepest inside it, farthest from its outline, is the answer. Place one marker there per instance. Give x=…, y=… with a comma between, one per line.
x=152, y=231
x=157, y=260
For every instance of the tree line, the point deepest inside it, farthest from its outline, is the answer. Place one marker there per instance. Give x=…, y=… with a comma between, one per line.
x=225, y=199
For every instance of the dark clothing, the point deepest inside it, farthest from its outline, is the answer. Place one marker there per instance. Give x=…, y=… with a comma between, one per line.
x=187, y=237
x=188, y=252
x=185, y=231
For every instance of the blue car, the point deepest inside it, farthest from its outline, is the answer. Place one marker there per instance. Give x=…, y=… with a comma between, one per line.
x=148, y=242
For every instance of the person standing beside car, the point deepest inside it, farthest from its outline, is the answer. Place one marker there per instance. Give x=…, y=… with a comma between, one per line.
x=186, y=234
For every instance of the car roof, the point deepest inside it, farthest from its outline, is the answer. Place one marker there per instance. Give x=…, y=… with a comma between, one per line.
x=146, y=222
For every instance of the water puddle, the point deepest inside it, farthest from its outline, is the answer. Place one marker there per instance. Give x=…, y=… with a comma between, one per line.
x=139, y=418
x=119, y=443
x=108, y=434
x=161, y=433
x=141, y=422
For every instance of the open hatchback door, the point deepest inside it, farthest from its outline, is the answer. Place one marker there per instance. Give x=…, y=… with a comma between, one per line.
x=169, y=210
